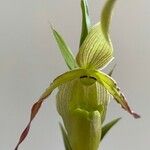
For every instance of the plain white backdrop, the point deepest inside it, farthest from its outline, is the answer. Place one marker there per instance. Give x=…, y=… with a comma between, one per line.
x=30, y=59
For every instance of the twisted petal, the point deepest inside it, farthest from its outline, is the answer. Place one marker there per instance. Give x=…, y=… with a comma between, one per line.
x=57, y=82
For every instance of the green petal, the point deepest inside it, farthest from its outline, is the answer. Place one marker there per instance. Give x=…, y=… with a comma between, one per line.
x=62, y=79
x=112, y=88
x=86, y=23
x=95, y=51
x=65, y=138
x=65, y=50
x=57, y=82
x=108, y=126
x=106, y=17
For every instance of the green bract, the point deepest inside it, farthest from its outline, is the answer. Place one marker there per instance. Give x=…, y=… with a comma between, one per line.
x=84, y=91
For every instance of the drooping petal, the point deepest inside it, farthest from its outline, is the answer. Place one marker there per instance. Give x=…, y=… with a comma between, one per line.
x=65, y=50
x=57, y=82
x=86, y=23
x=112, y=88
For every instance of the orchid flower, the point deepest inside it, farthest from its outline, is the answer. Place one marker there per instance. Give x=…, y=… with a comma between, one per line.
x=84, y=91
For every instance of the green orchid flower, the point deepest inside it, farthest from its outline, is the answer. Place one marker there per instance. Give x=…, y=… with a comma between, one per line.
x=84, y=91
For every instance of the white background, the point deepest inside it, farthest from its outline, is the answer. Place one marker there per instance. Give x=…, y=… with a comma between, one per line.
x=30, y=59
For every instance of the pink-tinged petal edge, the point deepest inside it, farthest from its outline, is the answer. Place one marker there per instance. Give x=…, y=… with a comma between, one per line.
x=128, y=109
x=34, y=111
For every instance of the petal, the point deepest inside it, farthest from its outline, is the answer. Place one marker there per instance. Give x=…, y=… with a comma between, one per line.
x=57, y=82
x=112, y=88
